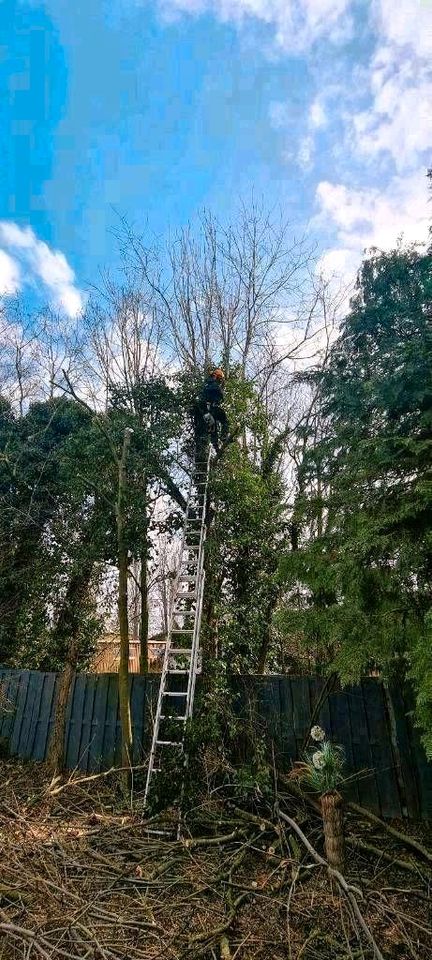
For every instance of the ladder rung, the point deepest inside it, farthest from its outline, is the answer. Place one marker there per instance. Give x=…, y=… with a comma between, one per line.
x=172, y=716
x=177, y=672
x=174, y=693
x=186, y=579
x=181, y=630
x=169, y=743
x=173, y=651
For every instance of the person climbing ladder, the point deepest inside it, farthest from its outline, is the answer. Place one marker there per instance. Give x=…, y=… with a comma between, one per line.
x=209, y=415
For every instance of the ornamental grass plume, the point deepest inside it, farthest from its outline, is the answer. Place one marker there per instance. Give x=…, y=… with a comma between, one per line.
x=324, y=768
x=323, y=771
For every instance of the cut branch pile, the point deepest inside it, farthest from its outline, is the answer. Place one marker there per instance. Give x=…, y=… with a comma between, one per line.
x=82, y=880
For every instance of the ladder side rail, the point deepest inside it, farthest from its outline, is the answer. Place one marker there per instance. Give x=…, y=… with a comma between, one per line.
x=199, y=603
x=165, y=664
x=195, y=652
x=199, y=579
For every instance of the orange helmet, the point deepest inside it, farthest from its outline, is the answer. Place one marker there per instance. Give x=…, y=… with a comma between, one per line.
x=218, y=374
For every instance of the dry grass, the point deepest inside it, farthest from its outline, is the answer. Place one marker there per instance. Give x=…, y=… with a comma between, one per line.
x=81, y=879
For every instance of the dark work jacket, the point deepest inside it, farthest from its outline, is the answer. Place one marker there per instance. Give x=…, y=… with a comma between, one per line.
x=212, y=392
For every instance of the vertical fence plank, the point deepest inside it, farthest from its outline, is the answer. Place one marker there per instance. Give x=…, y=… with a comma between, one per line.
x=288, y=746
x=43, y=722
x=404, y=758
x=324, y=718
x=24, y=679
x=110, y=721
x=75, y=721
x=11, y=684
x=97, y=727
x=268, y=707
x=138, y=699
x=367, y=785
x=87, y=721
x=32, y=711
x=301, y=712
x=381, y=749
x=342, y=734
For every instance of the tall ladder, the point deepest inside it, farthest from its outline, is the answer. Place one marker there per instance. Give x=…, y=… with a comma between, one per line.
x=181, y=660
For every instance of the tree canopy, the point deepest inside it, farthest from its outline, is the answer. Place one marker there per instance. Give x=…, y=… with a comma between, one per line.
x=318, y=552
x=363, y=579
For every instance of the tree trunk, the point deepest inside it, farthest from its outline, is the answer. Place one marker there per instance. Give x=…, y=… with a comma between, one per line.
x=267, y=635
x=136, y=602
x=124, y=699
x=56, y=757
x=67, y=629
x=144, y=616
x=334, y=841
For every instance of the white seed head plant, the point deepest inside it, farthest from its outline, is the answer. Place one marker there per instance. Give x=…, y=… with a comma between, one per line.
x=317, y=734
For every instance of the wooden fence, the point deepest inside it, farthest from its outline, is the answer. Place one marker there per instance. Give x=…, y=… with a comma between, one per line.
x=371, y=722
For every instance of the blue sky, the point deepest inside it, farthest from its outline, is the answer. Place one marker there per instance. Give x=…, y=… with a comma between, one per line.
x=163, y=106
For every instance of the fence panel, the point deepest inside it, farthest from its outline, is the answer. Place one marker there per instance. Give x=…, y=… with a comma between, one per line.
x=373, y=724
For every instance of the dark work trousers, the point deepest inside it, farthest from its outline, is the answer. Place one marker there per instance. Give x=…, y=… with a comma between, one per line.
x=203, y=433
x=220, y=416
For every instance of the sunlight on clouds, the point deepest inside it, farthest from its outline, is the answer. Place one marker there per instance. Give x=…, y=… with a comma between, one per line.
x=372, y=218
x=407, y=22
x=9, y=275
x=396, y=128
x=317, y=115
x=400, y=118
x=41, y=263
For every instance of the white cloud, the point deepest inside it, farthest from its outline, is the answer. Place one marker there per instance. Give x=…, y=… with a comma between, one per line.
x=50, y=267
x=317, y=115
x=369, y=217
x=306, y=152
x=394, y=133
x=399, y=120
x=9, y=275
x=405, y=23
x=296, y=23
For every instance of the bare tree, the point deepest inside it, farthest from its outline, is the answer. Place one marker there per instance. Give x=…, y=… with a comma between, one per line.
x=219, y=291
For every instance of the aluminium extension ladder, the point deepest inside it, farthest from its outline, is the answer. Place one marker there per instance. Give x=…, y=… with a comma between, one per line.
x=181, y=660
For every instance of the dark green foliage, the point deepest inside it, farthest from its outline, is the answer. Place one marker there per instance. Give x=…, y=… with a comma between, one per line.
x=244, y=539
x=58, y=486
x=37, y=502
x=363, y=584
x=224, y=746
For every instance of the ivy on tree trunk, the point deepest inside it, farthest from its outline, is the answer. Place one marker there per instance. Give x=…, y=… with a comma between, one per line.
x=124, y=699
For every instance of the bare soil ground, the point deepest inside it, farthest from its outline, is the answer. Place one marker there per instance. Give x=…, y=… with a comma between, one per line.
x=81, y=879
